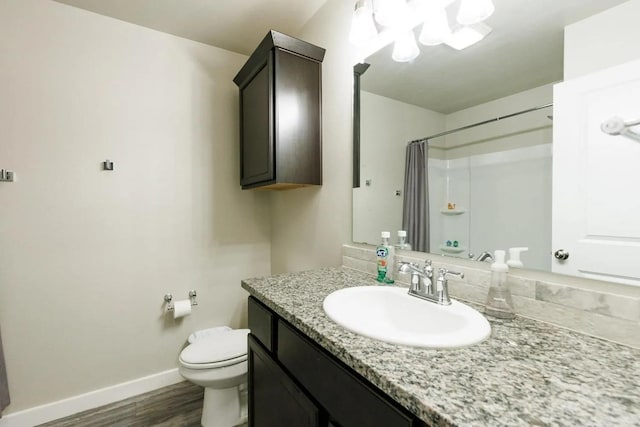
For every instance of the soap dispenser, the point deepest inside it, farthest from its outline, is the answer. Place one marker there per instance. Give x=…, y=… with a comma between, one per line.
x=514, y=257
x=499, y=302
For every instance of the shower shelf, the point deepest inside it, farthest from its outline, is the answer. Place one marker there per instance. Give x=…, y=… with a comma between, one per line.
x=452, y=211
x=452, y=249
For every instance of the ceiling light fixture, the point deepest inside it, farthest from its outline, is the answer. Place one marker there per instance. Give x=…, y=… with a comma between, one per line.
x=405, y=49
x=387, y=12
x=396, y=19
x=363, y=28
x=464, y=37
x=435, y=28
x=474, y=11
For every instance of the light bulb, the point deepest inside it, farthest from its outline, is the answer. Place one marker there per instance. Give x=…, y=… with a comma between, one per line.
x=405, y=49
x=435, y=28
x=474, y=11
x=388, y=12
x=464, y=37
x=362, y=27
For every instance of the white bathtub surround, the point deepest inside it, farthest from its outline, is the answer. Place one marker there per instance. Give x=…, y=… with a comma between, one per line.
x=506, y=190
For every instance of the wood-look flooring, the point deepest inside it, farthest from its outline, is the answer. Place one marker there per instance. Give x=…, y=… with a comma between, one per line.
x=179, y=405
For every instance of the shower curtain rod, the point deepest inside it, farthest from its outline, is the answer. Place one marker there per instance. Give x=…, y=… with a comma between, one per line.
x=415, y=141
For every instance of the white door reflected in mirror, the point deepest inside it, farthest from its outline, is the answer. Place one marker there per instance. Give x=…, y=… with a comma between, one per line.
x=595, y=203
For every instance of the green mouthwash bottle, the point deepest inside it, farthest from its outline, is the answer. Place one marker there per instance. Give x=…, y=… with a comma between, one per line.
x=385, y=254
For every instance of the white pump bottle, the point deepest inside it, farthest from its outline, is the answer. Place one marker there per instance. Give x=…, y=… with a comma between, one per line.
x=514, y=257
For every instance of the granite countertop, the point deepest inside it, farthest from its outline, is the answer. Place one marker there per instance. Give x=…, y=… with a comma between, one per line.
x=526, y=373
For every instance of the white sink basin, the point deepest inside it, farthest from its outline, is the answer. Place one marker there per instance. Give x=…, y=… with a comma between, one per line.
x=389, y=314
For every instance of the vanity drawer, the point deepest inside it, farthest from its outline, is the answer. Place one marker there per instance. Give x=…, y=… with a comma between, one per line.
x=262, y=323
x=349, y=399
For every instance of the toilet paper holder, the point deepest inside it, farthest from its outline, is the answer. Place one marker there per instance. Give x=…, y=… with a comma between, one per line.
x=168, y=298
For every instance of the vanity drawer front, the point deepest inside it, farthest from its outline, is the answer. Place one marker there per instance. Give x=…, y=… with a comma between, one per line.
x=261, y=322
x=348, y=398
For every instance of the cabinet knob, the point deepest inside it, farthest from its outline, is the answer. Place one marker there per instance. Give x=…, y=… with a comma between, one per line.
x=561, y=254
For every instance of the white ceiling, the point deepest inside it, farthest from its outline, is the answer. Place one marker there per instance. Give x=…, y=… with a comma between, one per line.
x=237, y=26
x=525, y=49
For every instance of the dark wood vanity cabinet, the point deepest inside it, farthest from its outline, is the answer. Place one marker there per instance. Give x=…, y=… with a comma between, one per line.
x=280, y=114
x=275, y=398
x=294, y=382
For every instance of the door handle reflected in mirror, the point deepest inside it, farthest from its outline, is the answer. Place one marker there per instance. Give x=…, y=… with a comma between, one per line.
x=561, y=254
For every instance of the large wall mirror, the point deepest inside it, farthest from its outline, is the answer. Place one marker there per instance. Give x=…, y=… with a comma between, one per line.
x=489, y=185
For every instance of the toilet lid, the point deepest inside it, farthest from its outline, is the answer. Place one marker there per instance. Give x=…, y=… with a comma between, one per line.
x=217, y=347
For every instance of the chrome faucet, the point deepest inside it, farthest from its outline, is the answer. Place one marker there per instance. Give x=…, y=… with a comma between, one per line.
x=422, y=285
x=484, y=256
x=421, y=282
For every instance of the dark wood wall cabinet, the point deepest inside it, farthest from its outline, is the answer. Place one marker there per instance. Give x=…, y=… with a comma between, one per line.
x=295, y=382
x=280, y=114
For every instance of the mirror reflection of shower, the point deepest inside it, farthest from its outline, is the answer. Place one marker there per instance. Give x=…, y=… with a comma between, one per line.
x=490, y=187
x=498, y=175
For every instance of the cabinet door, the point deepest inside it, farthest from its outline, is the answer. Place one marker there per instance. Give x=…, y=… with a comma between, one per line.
x=298, y=122
x=256, y=135
x=274, y=399
x=346, y=397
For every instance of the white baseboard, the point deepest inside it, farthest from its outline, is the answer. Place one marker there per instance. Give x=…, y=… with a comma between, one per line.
x=94, y=399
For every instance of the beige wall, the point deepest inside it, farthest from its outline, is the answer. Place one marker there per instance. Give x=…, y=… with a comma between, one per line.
x=386, y=127
x=310, y=224
x=602, y=41
x=86, y=255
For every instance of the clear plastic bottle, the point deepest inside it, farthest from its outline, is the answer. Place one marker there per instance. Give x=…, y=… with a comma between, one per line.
x=386, y=259
x=499, y=302
x=402, y=241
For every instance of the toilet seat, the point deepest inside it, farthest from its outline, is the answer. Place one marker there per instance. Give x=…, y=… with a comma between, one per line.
x=216, y=350
x=213, y=365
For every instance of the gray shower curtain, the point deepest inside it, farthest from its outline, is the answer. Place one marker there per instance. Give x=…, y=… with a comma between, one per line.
x=415, y=207
x=4, y=386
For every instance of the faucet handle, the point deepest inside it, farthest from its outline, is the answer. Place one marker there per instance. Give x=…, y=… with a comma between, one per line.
x=428, y=268
x=402, y=264
x=442, y=288
x=414, y=269
x=443, y=273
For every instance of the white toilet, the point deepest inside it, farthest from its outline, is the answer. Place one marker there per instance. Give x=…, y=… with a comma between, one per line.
x=216, y=359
